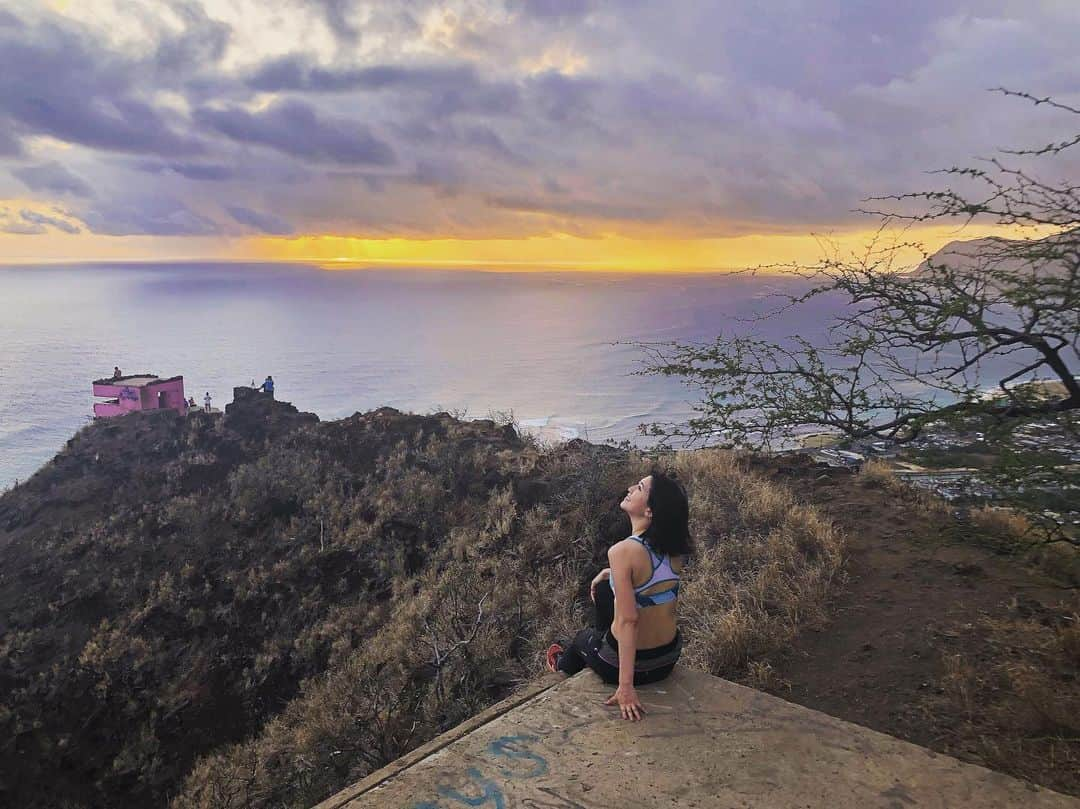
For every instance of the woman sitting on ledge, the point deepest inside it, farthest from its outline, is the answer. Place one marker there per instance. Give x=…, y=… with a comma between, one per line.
x=636, y=639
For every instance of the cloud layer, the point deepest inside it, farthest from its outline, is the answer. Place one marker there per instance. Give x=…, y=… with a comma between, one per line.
x=507, y=118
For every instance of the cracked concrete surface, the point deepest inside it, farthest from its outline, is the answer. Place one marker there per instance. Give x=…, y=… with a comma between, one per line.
x=705, y=742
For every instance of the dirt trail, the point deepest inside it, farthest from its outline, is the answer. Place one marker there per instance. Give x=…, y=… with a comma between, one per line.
x=938, y=640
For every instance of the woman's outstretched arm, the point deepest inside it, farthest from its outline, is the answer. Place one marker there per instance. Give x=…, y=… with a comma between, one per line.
x=626, y=618
x=599, y=577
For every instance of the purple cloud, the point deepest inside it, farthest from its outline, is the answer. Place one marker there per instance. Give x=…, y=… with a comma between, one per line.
x=87, y=97
x=560, y=10
x=534, y=115
x=297, y=72
x=578, y=208
x=263, y=222
x=32, y=223
x=52, y=176
x=336, y=14
x=10, y=146
x=293, y=127
x=201, y=43
x=17, y=226
x=444, y=89
x=148, y=216
x=35, y=218
x=208, y=172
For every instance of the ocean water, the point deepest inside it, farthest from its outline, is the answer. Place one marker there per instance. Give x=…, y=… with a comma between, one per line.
x=548, y=348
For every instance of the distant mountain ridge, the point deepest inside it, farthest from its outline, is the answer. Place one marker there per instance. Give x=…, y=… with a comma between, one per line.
x=1008, y=255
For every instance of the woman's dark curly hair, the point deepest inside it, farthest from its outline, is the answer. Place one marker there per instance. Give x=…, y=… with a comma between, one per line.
x=669, y=531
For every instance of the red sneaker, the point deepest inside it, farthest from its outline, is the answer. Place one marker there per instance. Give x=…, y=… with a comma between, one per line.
x=553, y=652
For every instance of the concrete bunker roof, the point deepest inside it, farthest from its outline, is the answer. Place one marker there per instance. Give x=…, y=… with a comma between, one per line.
x=704, y=742
x=135, y=380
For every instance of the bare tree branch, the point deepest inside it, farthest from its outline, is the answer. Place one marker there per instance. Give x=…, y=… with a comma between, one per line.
x=908, y=348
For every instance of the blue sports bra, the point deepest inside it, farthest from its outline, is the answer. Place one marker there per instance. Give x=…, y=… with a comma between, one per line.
x=661, y=572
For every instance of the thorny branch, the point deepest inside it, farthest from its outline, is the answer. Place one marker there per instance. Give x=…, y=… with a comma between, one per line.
x=441, y=655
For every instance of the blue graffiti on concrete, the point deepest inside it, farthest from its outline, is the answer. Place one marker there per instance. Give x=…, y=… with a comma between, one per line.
x=491, y=792
x=513, y=748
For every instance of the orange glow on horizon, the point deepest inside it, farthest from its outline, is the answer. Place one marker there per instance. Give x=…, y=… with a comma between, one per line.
x=609, y=253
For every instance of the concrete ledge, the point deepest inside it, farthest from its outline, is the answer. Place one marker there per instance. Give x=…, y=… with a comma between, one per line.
x=704, y=743
x=524, y=694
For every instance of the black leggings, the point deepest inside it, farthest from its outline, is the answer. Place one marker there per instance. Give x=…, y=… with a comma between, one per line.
x=583, y=650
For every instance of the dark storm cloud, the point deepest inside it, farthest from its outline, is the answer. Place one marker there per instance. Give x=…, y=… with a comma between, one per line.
x=262, y=222
x=53, y=177
x=35, y=218
x=294, y=127
x=147, y=216
x=55, y=82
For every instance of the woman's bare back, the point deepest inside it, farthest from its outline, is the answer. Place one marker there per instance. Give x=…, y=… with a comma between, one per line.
x=657, y=624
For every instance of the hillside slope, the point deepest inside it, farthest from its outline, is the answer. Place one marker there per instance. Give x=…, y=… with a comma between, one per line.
x=258, y=608
x=166, y=584
x=942, y=635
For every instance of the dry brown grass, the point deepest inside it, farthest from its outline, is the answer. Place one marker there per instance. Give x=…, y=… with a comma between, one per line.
x=1000, y=525
x=475, y=623
x=761, y=675
x=763, y=567
x=1069, y=641
x=459, y=635
x=878, y=474
x=1021, y=698
x=1009, y=531
x=958, y=680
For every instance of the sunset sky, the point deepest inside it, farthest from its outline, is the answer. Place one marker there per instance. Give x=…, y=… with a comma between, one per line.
x=565, y=133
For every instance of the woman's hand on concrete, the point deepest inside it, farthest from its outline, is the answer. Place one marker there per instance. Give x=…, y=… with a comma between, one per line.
x=603, y=574
x=628, y=702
